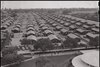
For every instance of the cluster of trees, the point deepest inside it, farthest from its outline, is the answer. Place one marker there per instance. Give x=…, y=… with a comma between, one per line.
x=74, y=43
x=41, y=44
x=7, y=39
x=8, y=12
x=27, y=42
x=13, y=14
x=67, y=11
x=44, y=44
x=88, y=16
x=94, y=42
x=9, y=55
x=70, y=43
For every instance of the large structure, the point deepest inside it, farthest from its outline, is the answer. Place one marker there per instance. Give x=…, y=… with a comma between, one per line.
x=89, y=59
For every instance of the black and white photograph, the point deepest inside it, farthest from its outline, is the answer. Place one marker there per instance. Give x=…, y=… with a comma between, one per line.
x=49, y=34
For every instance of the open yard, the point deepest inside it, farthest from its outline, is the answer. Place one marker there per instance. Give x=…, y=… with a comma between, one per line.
x=52, y=61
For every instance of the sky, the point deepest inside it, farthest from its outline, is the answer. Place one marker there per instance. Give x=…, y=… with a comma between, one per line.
x=49, y=4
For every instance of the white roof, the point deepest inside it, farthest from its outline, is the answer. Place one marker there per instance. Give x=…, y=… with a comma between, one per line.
x=44, y=27
x=80, y=30
x=54, y=24
x=77, y=62
x=18, y=25
x=92, y=35
x=51, y=37
x=91, y=58
x=50, y=22
x=64, y=30
x=72, y=26
x=97, y=24
x=91, y=22
x=85, y=26
x=48, y=31
x=66, y=24
x=4, y=26
x=58, y=27
x=62, y=22
x=16, y=28
x=78, y=23
x=29, y=25
x=95, y=29
x=30, y=28
x=72, y=36
x=31, y=37
x=72, y=21
x=29, y=32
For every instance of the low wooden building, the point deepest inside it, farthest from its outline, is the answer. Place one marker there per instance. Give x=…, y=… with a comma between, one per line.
x=54, y=25
x=86, y=27
x=91, y=35
x=16, y=30
x=32, y=37
x=72, y=36
x=81, y=31
x=78, y=24
x=30, y=33
x=64, y=31
x=30, y=29
x=4, y=27
x=96, y=30
x=61, y=22
x=58, y=28
x=48, y=32
x=54, y=38
x=67, y=24
x=72, y=27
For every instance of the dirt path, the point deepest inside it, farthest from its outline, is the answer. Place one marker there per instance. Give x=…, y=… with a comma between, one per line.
x=16, y=40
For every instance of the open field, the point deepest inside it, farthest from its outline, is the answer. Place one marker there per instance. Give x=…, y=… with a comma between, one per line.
x=54, y=61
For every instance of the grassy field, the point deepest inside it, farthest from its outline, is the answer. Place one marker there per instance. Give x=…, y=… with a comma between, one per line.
x=52, y=61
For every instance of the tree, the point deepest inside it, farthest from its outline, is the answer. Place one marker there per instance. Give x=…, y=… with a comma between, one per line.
x=44, y=44
x=7, y=39
x=94, y=42
x=24, y=41
x=12, y=58
x=9, y=50
x=69, y=42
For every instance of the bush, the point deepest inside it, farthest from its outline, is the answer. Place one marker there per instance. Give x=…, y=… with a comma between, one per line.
x=41, y=62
